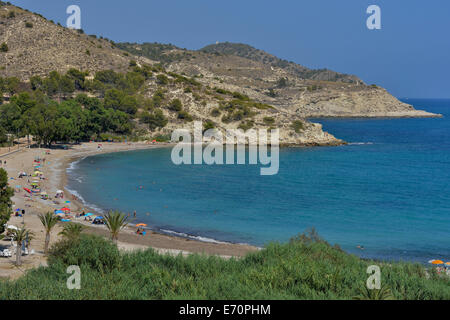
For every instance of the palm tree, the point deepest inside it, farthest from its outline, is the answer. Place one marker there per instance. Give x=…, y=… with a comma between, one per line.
x=384, y=293
x=72, y=231
x=48, y=220
x=115, y=221
x=20, y=235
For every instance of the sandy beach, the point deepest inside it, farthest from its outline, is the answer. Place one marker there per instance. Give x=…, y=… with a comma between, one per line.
x=54, y=169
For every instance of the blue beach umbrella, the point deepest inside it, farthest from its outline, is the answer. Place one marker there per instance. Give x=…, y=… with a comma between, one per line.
x=88, y=214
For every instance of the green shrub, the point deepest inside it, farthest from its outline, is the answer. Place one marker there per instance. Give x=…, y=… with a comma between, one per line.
x=92, y=251
x=28, y=25
x=162, y=79
x=307, y=267
x=184, y=115
x=4, y=47
x=215, y=112
x=269, y=121
x=175, y=105
x=208, y=124
x=246, y=125
x=297, y=126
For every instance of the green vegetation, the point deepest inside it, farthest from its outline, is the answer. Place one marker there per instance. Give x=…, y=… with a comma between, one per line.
x=71, y=231
x=154, y=51
x=208, y=124
x=49, y=221
x=163, y=138
x=154, y=120
x=73, y=120
x=162, y=79
x=246, y=125
x=282, y=83
x=269, y=121
x=297, y=126
x=215, y=112
x=4, y=47
x=175, y=105
x=184, y=115
x=115, y=221
x=28, y=25
x=20, y=236
x=57, y=108
x=237, y=110
x=5, y=199
x=305, y=268
x=314, y=87
x=271, y=93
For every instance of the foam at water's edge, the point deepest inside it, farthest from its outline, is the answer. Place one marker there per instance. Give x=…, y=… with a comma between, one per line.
x=360, y=143
x=185, y=235
x=72, y=166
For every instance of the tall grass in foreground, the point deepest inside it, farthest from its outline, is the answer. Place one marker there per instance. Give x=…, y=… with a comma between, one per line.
x=304, y=268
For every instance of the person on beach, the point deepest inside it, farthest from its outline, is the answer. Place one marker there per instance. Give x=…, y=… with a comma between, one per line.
x=134, y=214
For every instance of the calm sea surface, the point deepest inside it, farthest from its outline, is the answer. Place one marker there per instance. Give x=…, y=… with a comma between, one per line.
x=389, y=190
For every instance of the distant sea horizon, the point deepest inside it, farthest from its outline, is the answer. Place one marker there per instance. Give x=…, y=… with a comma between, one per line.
x=387, y=191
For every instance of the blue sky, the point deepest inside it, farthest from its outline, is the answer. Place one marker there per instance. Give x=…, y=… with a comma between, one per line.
x=409, y=56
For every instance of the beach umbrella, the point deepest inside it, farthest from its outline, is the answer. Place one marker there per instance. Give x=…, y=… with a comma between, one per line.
x=65, y=209
x=88, y=214
x=27, y=190
x=67, y=202
x=11, y=227
x=141, y=225
x=59, y=212
x=436, y=262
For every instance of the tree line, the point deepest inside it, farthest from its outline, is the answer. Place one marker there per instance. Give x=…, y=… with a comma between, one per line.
x=72, y=108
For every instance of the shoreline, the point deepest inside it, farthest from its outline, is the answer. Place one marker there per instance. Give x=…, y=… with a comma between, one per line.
x=55, y=170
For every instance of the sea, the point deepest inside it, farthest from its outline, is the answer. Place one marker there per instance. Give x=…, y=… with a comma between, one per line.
x=385, y=195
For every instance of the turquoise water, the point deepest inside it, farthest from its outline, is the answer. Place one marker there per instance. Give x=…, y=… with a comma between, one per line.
x=387, y=191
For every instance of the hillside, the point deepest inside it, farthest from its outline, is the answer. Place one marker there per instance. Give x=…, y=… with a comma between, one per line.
x=283, y=84
x=35, y=47
x=224, y=85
